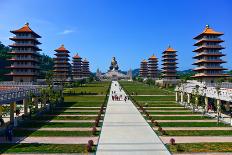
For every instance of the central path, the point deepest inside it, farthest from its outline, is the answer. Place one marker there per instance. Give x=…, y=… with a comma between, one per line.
x=125, y=131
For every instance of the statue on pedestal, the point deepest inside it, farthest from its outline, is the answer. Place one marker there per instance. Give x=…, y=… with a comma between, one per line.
x=114, y=64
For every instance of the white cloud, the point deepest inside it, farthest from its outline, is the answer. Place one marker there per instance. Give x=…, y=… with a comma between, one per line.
x=66, y=32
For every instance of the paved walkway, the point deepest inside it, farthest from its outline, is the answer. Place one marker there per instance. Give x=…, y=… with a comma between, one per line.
x=126, y=132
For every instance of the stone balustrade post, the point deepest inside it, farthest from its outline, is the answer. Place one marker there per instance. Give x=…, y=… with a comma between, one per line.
x=206, y=104
x=177, y=96
x=189, y=98
x=25, y=106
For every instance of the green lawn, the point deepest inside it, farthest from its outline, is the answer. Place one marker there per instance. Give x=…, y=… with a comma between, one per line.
x=83, y=104
x=55, y=124
x=72, y=113
x=199, y=132
x=26, y=133
x=84, y=98
x=64, y=118
x=160, y=105
x=200, y=147
x=154, y=98
x=168, y=109
x=143, y=89
x=89, y=89
x=172, y=113
x=42, y=148
x=191, y=124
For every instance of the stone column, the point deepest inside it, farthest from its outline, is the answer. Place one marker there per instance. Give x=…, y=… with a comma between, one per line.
x=182, y=97
x=12, y=107
x=0, y=111
x=35, y=100
x=219, y=107
x=25, y=106
x=176, y=96
x=189, y=98
x=206, y=104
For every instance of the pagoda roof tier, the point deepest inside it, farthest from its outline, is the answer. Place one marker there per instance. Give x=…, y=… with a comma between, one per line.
x=76, y=57
x=26, y=45
x=164, y=63
x=219, y=54
x=166, y=55
x=61, y=58
x=169, y=59
x=203, y=40
x=208, y=61
x=61, y=54
x=208, y=31
x=169, y=49
x=219, y=47
x=23, y=38
x=61, y=62
x=169, y=75
x=26, y=29
x=61, y=70
x=62, y=49
x=22, y=74
x=153, y=57
x=23, y=59
x=200, y=75
x=23, y=67
x=209, y=68
x=25, y=52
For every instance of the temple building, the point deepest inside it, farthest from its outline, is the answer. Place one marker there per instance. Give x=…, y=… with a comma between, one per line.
x=62, y=66
x=85, y=68
x=208, y=56
x=113, y=73
x=169, y=64
x=77, y=67
x=143, y=72
x=152, y=67
x=24, y=62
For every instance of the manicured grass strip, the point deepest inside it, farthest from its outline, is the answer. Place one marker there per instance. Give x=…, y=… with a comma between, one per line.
x=83, y=104
x=167, y=109
x=161, y=105
x=172, y=113
x=199, y=132
x=154, y=98
x=180, y=117
x=72, y=113
x=65, y=118
x=55, y=124
x=42, y=148
x=200, y=147
x=23, y=133
x=83, y=98
x=191, y=124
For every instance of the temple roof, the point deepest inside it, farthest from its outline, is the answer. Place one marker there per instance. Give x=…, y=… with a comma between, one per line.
x=144, y=61
x=85, y=60
x=26, y=28
x=170, y=49
x=209, y=31
x=62, y=48
x=153, y=57
x=77, y=56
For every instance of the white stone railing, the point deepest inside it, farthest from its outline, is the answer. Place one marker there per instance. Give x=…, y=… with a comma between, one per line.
x=208, y=90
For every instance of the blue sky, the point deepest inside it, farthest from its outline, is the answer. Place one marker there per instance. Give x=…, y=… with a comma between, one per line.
x=130, y=30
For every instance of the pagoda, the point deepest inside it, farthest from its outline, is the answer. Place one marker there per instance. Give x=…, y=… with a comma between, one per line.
x=208, y=56
x=169, y=64
x=143, y=72
x=62, y=66
x=85, y=68
x=152, y=67
x=77, y=67
x=25, y=56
